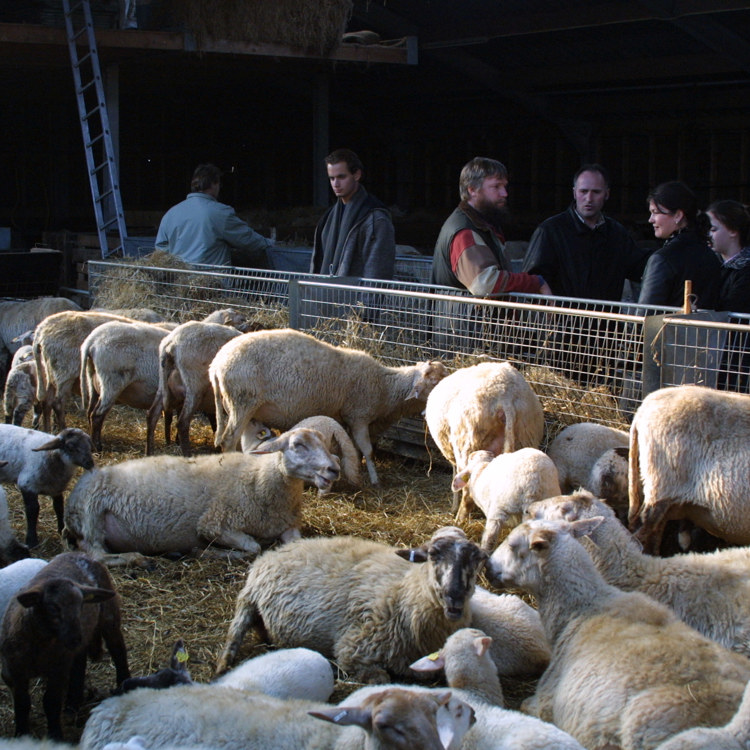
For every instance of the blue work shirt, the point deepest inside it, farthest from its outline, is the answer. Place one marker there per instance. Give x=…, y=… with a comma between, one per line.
x=202, y=230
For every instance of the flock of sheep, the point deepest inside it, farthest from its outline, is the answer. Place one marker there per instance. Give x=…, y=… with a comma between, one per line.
x=631, y=650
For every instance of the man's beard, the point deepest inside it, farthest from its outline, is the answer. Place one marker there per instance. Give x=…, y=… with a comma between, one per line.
x=492, y=213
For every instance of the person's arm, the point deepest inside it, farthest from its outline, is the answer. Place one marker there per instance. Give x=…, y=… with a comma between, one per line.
x=637, y=259
x=657, y=281
x=476, y=268
x=162, y=240
x=379, y=247
x=541, y=257
x=240, y=235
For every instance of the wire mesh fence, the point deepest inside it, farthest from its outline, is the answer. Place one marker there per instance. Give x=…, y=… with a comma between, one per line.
x=587, y=360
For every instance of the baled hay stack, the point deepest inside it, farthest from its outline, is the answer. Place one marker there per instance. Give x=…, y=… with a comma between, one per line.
x=314, y=26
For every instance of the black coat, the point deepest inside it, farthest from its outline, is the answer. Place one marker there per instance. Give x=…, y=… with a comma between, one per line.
x=734, y=292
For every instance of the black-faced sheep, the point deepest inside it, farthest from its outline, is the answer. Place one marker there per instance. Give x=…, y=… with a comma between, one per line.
x=50, y=628
x=202, y=716
x=710, y=592
x=162, y=504
x=689, y=458
x=57, y=353
x=42, y=464
x=484, y=407
x=119, y=364
x=282, y=376
x=625, y=671
x=503, y=486
x=364, y=604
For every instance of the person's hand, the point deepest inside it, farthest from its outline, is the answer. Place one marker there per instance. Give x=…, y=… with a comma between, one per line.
x=545, y=289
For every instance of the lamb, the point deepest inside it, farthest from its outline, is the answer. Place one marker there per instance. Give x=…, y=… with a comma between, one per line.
x=471, y=675
x=519, y=646
x=279, y=377
x=503, y=486
x=119, y=364
x=484, y=407
x=183, y=359
x=176, y=673
x=625, y=671
x=200, y=716
x=710, y=592
x=20, y=389
x=11, y=550
x=732, y=736
x=358, y=602
x=42, y=464
x=576, y=449
x=688, y=459
x=334, y=435
x=609, y=480
x=142, y=314
x=50, y=628
x=285, y=673
x=57, y=353
x=163, y=504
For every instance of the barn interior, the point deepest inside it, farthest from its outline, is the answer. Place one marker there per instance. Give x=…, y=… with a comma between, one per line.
x=652, y=89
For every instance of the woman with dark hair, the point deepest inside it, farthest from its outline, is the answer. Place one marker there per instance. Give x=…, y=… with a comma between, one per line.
x=730, y=238
x=685, y=254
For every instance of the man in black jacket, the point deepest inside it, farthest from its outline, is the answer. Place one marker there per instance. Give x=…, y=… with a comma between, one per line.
x=581, y=252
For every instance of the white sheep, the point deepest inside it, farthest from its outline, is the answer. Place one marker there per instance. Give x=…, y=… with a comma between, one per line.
x=732, y=736
x=42, y=464
x=18, y=317
x=184, y=356
x=142, y=314
x=279, y=377
x=689, y=458
x=489, y=407
x=57, y=353
x=471, y=676
x=336, y=438
x=161, y=504
x=577, y=447
x=609, y=480
x=20, y=388
x=284, y=673
x=119, y=363
x=200, y=716
x=710, y=592
x=519, y=646
x=625, y=671
x=503, y=486
x=358, y=602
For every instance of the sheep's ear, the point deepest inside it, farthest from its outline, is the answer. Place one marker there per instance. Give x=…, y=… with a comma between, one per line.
x=540, y=539
x=180, y=656
x=280, y=443
x=52, y=445
x=93, y=594
x=432, y=663
x=482, y=645
x=345, y=716
x=585, y=526
x=460, y=480
x=3, y=463
x=415, y=554
x=30, y=597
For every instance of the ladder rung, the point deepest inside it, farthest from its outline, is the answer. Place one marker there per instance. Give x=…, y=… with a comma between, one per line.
x=87, y=86
x=94, y=141
x=92, y=111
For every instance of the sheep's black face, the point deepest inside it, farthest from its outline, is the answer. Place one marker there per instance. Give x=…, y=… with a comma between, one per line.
x=77, y=446
x=60, y=610
x=456, y=563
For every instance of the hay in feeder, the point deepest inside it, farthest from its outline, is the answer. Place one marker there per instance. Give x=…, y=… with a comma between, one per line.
x=314, y=26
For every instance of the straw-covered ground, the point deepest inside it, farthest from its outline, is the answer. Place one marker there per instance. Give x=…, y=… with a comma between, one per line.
x=194, y=598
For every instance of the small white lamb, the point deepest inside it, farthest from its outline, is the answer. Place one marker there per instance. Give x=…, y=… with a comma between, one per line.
x=503, y=486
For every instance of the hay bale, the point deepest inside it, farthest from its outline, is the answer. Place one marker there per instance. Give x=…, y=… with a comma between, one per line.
x=314, y=26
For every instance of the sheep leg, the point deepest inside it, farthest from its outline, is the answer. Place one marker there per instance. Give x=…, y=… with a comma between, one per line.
x=53, y=699
x=244, y=615
x=152, y=419
x=492, y=530
x=653, y=518
x=361, y=437
x=59, y=409
x=21, y=703
x=183, y=424
x=113, y=639
x=465, y=506
x=58, y=504
x=74, y=697
x=235, y=540
x=31, y=507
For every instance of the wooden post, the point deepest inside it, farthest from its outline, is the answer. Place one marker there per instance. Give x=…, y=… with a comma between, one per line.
x=687, y=306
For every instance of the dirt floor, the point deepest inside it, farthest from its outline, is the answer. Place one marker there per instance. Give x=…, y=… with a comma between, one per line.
x=194, y=599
